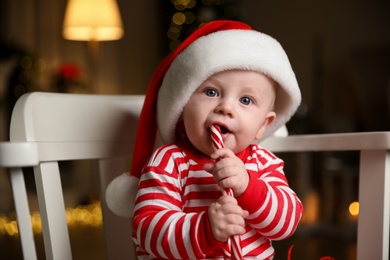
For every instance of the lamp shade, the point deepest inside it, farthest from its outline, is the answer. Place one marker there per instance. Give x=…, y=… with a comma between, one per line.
x=92, y=20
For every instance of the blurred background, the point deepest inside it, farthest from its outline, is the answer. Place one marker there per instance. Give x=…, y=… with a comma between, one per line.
x=339, y=50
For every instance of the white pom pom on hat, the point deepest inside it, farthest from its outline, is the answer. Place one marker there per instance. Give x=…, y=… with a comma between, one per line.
x=120, y=194
x=214, y=47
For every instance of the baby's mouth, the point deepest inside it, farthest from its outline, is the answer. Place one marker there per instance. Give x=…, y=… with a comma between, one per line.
x=224, y=130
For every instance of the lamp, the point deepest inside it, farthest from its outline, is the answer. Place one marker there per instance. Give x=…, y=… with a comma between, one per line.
x=92, y=20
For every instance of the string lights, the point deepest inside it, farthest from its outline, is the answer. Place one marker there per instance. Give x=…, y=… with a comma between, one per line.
x=188, y=15
x=88, y=215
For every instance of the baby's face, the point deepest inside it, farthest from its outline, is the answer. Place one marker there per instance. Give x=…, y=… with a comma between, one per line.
x=239, y=101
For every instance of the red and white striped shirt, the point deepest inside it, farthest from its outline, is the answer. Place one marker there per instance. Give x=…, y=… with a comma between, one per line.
x=170, y=215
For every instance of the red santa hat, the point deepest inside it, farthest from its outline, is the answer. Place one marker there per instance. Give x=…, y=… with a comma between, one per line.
x=216, y=46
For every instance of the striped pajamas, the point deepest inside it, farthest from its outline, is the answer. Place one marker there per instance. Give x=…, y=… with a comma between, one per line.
x=170, y=215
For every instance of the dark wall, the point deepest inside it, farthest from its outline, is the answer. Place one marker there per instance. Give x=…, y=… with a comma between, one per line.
x=338, y=49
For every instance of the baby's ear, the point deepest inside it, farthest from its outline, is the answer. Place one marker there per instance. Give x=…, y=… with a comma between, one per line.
x=269, y=119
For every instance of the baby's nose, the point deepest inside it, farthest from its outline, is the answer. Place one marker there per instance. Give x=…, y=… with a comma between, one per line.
x=225, y=108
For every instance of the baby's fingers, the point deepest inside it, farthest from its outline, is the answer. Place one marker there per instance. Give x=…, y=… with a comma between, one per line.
x=222, y=153
x=208, y=167
x=233, y=229
x=230, y=206
x=225, y=199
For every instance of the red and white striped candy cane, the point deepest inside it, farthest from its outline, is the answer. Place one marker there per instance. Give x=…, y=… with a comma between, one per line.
x=234, y=243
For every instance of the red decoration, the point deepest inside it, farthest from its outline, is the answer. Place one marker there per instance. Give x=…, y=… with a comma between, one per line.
x=322, y=258
x=69, y=71
x=70, y=78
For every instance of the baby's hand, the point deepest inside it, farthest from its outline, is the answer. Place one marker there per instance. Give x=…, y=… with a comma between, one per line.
x=229, y=171
x=227, y=218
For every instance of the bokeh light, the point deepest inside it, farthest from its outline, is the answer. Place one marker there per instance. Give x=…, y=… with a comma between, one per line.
x=87, y=215
x=354, y=208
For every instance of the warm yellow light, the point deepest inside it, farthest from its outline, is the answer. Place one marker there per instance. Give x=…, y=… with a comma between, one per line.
x=92, y=20
x=312, y=208
x=89, y=215
x=179, y=18
x=173, y=33
x=354, y=208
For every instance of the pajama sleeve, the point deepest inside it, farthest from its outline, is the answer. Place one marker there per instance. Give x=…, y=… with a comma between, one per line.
x=274, y=208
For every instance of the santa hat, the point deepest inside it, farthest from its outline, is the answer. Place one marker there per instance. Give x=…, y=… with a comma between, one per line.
x=214, y=47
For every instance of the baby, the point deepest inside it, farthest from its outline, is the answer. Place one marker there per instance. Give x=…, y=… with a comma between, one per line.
x=224, y=74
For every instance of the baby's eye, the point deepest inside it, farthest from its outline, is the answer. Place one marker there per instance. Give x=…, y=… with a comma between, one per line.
x=210, y=92
x=245, y=100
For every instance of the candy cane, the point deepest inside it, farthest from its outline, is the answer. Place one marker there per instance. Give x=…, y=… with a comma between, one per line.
x=234, y=243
